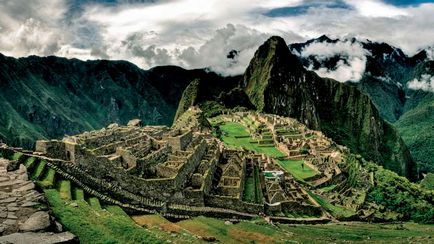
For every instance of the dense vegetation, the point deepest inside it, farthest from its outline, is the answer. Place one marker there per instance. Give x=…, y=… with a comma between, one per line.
x=398, y=194
x=416, y=128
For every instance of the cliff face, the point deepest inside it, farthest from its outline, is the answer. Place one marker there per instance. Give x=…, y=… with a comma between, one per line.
x=276, y=82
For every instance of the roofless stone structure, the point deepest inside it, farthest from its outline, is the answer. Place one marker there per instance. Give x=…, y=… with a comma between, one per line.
x=185, y=171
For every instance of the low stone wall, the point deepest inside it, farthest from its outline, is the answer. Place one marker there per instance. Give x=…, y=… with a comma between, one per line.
x=233, y=203
x=224, y=213
x=292, y=206
x=190, y=165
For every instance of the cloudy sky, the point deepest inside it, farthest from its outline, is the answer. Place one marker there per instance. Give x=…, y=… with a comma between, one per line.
x=200, y=33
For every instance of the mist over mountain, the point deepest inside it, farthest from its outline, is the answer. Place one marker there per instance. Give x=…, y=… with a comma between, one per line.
x=400, y=86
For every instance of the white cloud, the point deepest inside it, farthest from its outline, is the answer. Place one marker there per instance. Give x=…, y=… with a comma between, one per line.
x=373, y=8
x=430, y=53
x=196, y=34
x=350, y=68
x=30, y=27
x=425, y=83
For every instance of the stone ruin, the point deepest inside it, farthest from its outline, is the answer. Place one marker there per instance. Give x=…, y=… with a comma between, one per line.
x=179, y=172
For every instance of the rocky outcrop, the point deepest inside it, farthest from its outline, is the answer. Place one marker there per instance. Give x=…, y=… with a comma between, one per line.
x=36, y=222
x=277, y=83
x=22, y=209
x=222, y=94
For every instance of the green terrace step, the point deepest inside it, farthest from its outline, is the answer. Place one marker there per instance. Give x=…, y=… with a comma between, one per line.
x=39, y=170
x=16, y=156
x=94, y=202
x=65, y=190
x=30, y=162
x=116, y=210
x=48, y=179
x=78, y=194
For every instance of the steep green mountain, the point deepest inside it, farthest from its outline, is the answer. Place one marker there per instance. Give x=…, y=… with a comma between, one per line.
x=416, y=125
x=386, y=81
x=386, y=73
x=50, y=97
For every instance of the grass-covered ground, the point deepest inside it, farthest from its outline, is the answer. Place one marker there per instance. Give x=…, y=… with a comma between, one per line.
x=258, y=231
x=93, y=225
x=296, y=169
x=252, y=188
x=236, y=135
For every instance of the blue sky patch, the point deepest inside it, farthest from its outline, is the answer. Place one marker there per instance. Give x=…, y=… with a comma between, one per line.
x=303, y=8
x=403, y=3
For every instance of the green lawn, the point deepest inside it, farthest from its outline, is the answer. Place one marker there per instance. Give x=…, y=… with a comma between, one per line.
x=49, y=179
x=39, y=169
x=65, y=189
x=252, y=188
x=328, y=188
x=236, y=135
x=97, y=226
x=249, y=189
x=231, y=130
x=294, y=167
x=16, y=156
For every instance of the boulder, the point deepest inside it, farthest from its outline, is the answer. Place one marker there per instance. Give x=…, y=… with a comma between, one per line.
x=36, y=238
x=36, y=222
x=134, y=123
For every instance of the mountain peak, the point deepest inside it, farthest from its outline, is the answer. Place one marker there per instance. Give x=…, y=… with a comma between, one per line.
x=272, y=60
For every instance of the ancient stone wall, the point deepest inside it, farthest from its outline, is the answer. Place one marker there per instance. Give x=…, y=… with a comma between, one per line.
x=180, y=142
x=233, y=203
x=153, y=158
x=53, y=149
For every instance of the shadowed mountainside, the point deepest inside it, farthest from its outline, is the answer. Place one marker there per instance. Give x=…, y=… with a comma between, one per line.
x=48, y=97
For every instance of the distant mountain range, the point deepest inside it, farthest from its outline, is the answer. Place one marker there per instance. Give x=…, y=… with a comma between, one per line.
x=399, y=86
x=49, y=97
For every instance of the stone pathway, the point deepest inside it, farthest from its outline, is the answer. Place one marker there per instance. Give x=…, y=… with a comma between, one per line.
x=17, y=198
